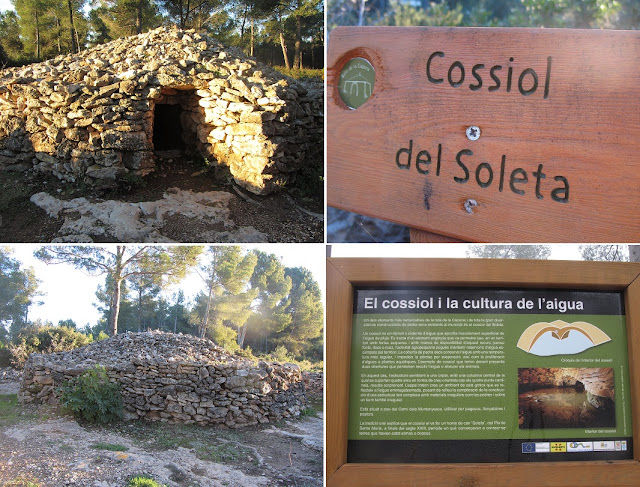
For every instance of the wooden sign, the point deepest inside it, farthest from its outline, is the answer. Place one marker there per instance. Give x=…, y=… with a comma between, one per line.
x=346, y=276
x=487, y=134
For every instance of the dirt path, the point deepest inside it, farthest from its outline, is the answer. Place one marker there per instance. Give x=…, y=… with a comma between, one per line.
x=39, y=444
x=180, y=202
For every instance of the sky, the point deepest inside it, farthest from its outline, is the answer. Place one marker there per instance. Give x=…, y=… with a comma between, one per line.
x=5, y=5
x=70, y=293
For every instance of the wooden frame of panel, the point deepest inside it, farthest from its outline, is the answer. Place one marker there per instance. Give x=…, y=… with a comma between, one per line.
x=345, y=273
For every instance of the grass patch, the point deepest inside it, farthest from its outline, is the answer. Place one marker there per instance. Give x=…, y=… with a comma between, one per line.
x=22, y=482
x=12, y=412
x=163, y=436
x=143, y=481
x=222, y=453
x=108, y=446
x=309, y=412
x=317, y=74
x=9, y=409
x=314, y=407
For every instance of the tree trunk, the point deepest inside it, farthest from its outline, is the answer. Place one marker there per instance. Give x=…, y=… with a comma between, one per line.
x=115, y=307
x=72, y=28
x=251, y=47
x=181, y=13
x=284, y=50
x=58, y=36
x=361, y=12
x=205, y=321
x=139, y=310
x=139, y=17
x=37, y=37
x=297, y=57
x=115, y=297
x=244, y=21
x=242, y=335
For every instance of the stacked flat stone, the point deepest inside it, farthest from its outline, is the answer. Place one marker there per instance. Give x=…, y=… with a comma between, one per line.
x=176, y=378
x=89, y=116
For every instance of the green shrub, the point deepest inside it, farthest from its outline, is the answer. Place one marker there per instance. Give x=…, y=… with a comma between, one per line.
x=143, y=481
x=5, y=356
x=45, y=339
x=92, y=397
x=108, y=447
x=281, y=354
x=246, y=353
x=317, y=74
x=22, y=482
x=101, y=336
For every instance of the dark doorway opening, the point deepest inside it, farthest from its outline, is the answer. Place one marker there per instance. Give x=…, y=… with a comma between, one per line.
x=167, y=127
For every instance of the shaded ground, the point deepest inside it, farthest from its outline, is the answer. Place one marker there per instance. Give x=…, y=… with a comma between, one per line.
x=40, y=445
x=246, y=217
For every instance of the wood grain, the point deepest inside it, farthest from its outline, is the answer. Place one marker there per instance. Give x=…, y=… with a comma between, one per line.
x=552, y=474
x=343, y=274
x=587, y=130
x=606, y=276
x=338, y=358
x=632, y=302
x=421, y=236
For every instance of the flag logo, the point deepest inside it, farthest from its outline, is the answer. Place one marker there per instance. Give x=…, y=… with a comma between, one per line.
x=558, y=446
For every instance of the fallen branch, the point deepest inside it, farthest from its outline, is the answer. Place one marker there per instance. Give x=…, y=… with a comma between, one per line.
x=245, y=197
x=317, y=216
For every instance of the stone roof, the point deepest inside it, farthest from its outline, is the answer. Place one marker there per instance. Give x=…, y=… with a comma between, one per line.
x=90, y=115
x=166, y=55
x=125, y=350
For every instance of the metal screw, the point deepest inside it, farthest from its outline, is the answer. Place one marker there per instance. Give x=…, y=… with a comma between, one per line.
x=473, y=132
x=469, y=205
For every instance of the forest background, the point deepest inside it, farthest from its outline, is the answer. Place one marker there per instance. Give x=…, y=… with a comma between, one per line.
x=287, y=33
x=579, y=14
x=249, y=302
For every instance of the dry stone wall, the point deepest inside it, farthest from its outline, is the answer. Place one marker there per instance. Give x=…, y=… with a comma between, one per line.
x=177, y=378
x=90, y=116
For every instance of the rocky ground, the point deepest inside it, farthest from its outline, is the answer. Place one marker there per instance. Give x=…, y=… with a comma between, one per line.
x=182, y=201
x=39, y=444
x=344, y=226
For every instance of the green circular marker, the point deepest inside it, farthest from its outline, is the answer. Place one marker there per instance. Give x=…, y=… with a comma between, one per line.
x=356, y=82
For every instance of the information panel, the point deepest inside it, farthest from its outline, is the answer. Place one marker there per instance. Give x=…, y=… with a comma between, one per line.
x=488, y=375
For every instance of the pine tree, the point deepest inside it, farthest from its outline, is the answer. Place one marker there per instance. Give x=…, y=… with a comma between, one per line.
x=226, y=276
x=189, y=14
x=509, y=251
x=18, y=291
x=306, y=311
x=10, y=35
x=120, y=18
x=170, y=264
x=271, y=316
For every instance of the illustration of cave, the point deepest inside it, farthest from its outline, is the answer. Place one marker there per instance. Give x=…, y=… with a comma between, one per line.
x=566, y=398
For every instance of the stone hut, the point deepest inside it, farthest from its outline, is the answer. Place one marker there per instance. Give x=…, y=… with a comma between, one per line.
x=177, y=378
x=100, y=115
